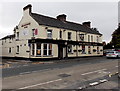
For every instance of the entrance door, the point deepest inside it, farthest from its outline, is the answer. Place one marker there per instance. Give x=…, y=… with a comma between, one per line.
x=60, y=51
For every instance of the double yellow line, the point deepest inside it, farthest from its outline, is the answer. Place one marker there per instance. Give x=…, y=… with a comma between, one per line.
x=110, y=75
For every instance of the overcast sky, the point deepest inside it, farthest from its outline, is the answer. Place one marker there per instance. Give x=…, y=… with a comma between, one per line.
x=103, y=15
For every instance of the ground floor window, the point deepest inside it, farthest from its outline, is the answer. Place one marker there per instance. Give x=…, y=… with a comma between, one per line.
x=33, y=49
x=98, y=52
x=47, y=49
x=89, y=50
x=38, y=49
x=83, y=49
x=44, y=49
x=69, y=48
x=50, y=49
x=10, y=50
x=41, y=49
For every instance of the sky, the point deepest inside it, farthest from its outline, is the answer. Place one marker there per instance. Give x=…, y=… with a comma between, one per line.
x=103, y=15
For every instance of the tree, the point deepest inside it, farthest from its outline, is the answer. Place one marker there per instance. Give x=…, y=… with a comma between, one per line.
x=116, y=38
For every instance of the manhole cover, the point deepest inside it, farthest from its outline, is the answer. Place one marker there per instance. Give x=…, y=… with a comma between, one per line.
x=64, y=75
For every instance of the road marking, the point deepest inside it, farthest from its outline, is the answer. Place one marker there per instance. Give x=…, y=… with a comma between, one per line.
x=40, y=84
x=116, y=66
x=34, y=71
x=104, y=80
x=94, y=83
x=24, y=73
x=80, y=87
x=25, y=65
x=93, y=72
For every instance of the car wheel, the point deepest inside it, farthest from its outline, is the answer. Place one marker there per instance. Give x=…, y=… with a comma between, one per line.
x=117, y=56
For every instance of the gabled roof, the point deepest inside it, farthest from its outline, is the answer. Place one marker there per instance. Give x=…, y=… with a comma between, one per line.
x=49, y=21
x=8, y=36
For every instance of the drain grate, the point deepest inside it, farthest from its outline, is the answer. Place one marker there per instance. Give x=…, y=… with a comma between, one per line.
x=64, y=75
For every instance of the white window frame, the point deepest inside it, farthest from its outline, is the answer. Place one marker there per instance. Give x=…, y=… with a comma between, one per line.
x=47, y=49
x=49, y=34
x=70, y=37
x=17, y=49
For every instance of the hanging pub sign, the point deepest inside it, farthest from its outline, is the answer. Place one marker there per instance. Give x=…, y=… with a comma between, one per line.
x=36, y=32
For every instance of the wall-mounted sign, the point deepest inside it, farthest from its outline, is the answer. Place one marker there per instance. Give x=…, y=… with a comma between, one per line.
x=25, y=32
x=25, y=25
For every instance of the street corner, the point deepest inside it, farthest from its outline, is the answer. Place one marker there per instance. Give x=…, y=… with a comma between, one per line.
x=112, y=74
x=4, y=65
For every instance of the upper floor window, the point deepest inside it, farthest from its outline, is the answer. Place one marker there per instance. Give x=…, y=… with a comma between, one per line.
x=69, y=35
x=2, y=42
x=17, y=35
x=88, y=38
x=60, y=35
x=97, y=39
x=49, y=33
x=17, y=49
x=10, y=51
x=91, y=38
x=81, y=36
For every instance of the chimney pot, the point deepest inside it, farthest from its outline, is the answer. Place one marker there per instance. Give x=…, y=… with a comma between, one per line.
x=61, y=17
x=87, y=24
x=29, y=6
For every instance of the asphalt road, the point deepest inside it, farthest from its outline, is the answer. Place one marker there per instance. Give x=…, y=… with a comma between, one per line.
x=70, y=74
x=7, y=72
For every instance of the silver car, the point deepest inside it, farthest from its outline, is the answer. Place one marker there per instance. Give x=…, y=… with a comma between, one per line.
x=113, y=54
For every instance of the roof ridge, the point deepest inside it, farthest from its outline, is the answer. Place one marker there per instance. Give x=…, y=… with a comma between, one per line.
x=51, y=21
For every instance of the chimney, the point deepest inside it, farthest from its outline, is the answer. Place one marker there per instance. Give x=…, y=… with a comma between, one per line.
x=27, y=9
x=87, y=24
x=62, y=17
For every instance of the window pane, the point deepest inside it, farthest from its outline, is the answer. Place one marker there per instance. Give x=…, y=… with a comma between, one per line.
x=60, y=34
x=45, y=46
x=38, y=52
x=69, y=35
x=70, y=49
x=17, y=48
x=45, y=52
x=49, y=33
x=50, y=52
x=39, y=46
x=50, y=46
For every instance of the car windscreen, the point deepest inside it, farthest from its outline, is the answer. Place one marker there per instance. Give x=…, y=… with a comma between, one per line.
x=111, y=52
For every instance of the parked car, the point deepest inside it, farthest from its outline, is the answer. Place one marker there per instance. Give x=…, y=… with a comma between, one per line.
x=113, y=54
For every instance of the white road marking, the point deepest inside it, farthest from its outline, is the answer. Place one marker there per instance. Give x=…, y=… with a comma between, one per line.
x=116, y=66
x=25, y=65
x=94, y=83
x=40, y=84
x=104, y=80
x=34, y=71
x=80, y=87
x=24, y=73
x=93, y=72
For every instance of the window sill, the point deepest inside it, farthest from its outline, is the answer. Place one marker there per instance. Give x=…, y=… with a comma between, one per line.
x=47, y=55
x=70, y=53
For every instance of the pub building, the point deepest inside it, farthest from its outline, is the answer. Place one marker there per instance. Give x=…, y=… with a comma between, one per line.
x=44, y=37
